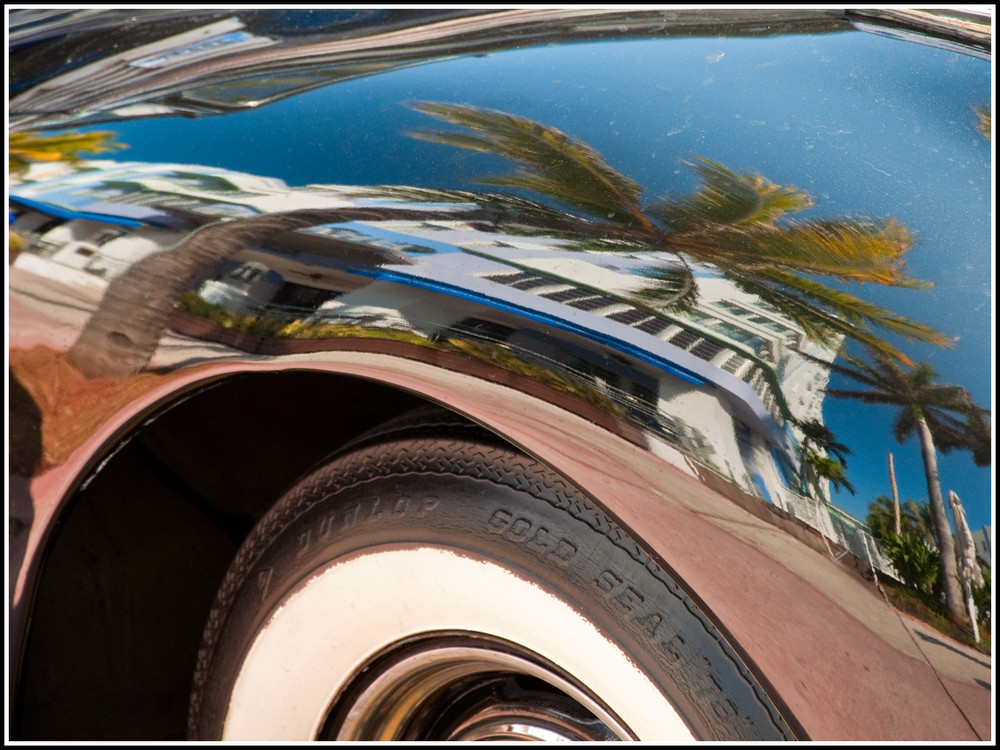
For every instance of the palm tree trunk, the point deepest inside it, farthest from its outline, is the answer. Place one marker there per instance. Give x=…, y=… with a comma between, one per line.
x=895, y=497
x=949, y=568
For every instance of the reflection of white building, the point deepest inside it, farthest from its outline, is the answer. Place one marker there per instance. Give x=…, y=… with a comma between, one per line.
x=751, y=350
x=242, y=289
x=731, y=367
x=984, y=544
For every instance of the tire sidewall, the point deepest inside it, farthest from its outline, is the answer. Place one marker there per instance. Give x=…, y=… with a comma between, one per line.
x=532, y=524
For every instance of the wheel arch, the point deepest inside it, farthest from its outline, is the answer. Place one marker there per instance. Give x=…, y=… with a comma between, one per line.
x=201, y=516
x=153, y=516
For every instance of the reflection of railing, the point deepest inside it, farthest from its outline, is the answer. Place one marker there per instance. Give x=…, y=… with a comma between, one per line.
x=860, y=541
x=308, y=318
x=847, y=532
x=638, y=410
x=291, y=321
x=34, y=243
x=299, y=322
x=287, y=312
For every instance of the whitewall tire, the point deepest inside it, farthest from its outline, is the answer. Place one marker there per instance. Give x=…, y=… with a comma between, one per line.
x=447, y=587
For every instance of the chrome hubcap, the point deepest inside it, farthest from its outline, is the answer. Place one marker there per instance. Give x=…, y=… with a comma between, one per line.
x=466, y=688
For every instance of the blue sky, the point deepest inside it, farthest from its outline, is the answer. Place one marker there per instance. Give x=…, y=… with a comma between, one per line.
x=866, y=125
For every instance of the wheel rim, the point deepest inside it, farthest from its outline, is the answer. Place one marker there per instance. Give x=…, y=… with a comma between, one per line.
x=467, y=687
x=355, y=618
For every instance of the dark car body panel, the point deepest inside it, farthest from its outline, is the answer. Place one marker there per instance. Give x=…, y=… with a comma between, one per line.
x=284, y=305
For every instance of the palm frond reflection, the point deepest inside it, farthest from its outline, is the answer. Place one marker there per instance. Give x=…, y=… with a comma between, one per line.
x=735, y=223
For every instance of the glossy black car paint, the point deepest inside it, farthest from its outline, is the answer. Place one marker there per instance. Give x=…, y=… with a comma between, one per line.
x=343, y=306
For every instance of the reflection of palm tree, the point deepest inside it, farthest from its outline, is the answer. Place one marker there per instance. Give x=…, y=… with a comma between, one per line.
x=944, y=418
x=985, y=121
x=914, y=518
x=552, y=163
x=122, y=336
x=819, y=467
x=27, y=147
x=731, y=223
x=823, y=457
x=925, y=522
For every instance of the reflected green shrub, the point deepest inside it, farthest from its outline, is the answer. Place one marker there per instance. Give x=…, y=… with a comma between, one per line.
x=917, y=564
x=501, y=357
x=274, y=326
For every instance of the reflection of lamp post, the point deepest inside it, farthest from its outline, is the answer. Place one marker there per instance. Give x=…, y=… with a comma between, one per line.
x=965, y=549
